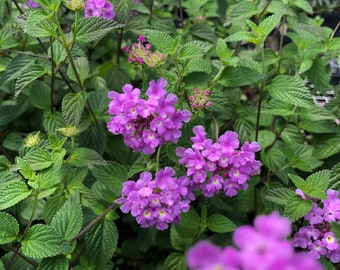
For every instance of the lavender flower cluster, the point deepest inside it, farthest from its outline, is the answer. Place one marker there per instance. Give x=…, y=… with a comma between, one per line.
x=31, y=4
x=216, y=166
x=140, y=53
x=146, y=124
x=260, y=247
x=99, y=8
x=317, y=236
x=155, y=202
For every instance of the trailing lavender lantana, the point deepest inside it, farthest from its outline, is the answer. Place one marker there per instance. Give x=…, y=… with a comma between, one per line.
x=146, y=124
x=259, y=247
x=317, y=236
x=32, y=4
x=216, y=166
x=99, y=8
x=156, y=202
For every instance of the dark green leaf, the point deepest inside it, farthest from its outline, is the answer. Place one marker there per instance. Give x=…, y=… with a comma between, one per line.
x=233, y=77
x=190, y=219
x=83, y=157
x=39, y=159
x=175, y=261
x=54, y=263
x=296, y=208
x=9, y=228
x=280, y=196
x=73, y=106
x=221, y=224
x=12, y=192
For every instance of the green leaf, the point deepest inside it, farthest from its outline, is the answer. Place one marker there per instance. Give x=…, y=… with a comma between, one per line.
x=9, y=228
x=59, y=53
x=239, y=76
x=8, y=113
x=320, y=74
x=242, y=36
x=175, y=261
x=197, y=65
x=2, y=267
x=190, y=220
x=265, y=138
x=68, y=221
x=203, y=31
x=299, y=182
x=25, y=169
x=16, y=67
x=188, y=52
x=94, y=28
x=292, y=135
x=220, y=224
x=101, y=241
x=297, y=207
x=290, y=90
x=304, y=5
x=40, y=95
x=222, y=51
x=43, y=241
x=94, y=137
x=162, y=41
x=181, y=238
x=53, y=121
x=336, y=230
x=302, y=157
x=39, y=159
x=280, y=196
x=319, y=180
x=73, y=106
x=268, y=25
x=277, y=107
x=54, y=263
x=29, y=76
x=12, y=192
x=13, y=141
x=112, y=175
x=83, y=157
x=82, y=67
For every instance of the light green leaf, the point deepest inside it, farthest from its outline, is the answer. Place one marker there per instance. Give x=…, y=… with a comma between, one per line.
x=94, y=28
x=304, y=5
x=83, y=157
x=327, y=146
x=277, y=107
x=175, y=261
x=239, y=76
x=296, y=208
x=242, y=36
x=82, y=67
x=43, y=241
x=268, y=25
x=299, y=182
x=16, y=67
x=265, y=138
x=112, y=175
x=29, y=76
x=9, y=228
x=222, y=50
x=68, y=221
x=319, y=180
x=54, y=263
x=220, y=224
x=12, y=192
x=162, y=41
x=59, y=53
x=53, y=121
x=101, y=241
x=280, y=196
x=39, y=159
x=73, y=106
x=197, y=65
x=2, y=267
x=25, y=169
x=188, y=52
x=291, y=90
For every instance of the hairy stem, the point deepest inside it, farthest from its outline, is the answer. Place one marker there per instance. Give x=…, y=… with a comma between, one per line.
x=9, y=247
x=261, y=94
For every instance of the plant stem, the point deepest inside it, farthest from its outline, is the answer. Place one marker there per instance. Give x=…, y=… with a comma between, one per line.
x=2, y=150
x=119, y=45
x=35, y=204
x=261, y=94
x=180, y=10
x=335, y=30
x=92, y=223
x=157, y=158
x=22, y=256
x=281, y=44
x=215, y=124
x=264, y=9
x=52, y=76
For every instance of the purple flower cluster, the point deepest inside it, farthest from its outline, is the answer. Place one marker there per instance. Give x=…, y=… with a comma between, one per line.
x=146, y=124
x=260, y=247
x=317, y=236
x=216, y=166
x=99, y=8
x=200, y=99
x=155, y=202
x=140, y=53
x=31, y=3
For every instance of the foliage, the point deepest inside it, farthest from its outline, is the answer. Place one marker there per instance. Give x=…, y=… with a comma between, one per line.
x=264, y=66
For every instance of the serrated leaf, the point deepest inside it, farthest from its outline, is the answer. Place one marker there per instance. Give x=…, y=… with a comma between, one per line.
x=59, y=53
x=43, y=241
x=179, y=237
x=203, y=31
x=292, y=135
x=302, y=157
x=320, y=74
x=9, y=228
x=25, y=169
x=220, y=224
x=242, y=36
x=239, y=76
x=296, y=208
x=319, y=180
x=12, y=192
x=94, y=28
x=277, y=107
x=268, y=24
x=304, y=5
x=53, y=121
x=13, y=141
x=290, y=90
x=40, y=95
x=266, y=138
x=222, y=50
x=94, y=137
x=190, y=219
x=280, y=196
x=39, y=159
x=54, y=263
x=101, y=241
x=162, y=41
x=299, y=182
x=16, y=67
x=197, y=65
x=188, y=52
x=73, y=106
x=29, y=76
x=274, y=159
x=82, y=67
x=175, y=261
x=68, y=221
x=112, y=175
x=327, y=146
x=83, y=157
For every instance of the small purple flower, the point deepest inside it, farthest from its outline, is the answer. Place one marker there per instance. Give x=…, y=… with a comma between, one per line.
x=31, y=3
x=99, y=8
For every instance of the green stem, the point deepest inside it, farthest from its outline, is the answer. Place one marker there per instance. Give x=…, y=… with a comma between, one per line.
x=157, y=158
x=264, y=9
x=218, y=75
x=281, y=44
x=52, y=76
x=93, y=222
x=215, y=124
x=35, y=204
